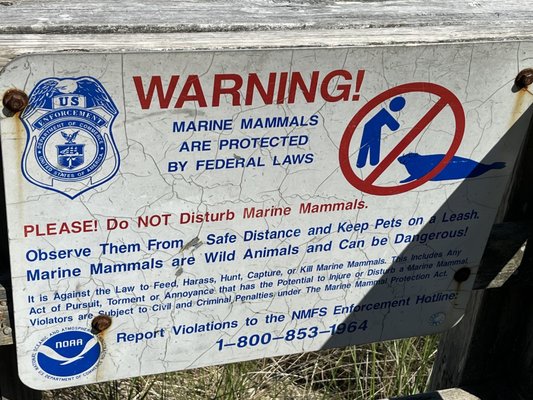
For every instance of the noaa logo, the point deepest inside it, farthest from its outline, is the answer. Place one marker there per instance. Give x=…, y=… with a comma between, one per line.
x=68, y=354
x=437, y=318
x=70, y=147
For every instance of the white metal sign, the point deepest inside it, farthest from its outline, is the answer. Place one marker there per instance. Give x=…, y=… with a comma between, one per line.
x=175, y=210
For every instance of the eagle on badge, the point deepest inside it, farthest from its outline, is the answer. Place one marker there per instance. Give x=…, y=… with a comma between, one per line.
x=70, y=137
x=47, y=90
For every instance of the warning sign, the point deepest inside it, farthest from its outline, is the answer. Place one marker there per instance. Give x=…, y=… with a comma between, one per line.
x=177, y=210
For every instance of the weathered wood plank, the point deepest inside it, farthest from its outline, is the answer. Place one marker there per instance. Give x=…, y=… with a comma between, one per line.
x=495, y=341
x=503, y=254
x=6, y=336
x=15, y=45
x=160, y=16
x=448, y=394
x=493, y=390
x=30, y=26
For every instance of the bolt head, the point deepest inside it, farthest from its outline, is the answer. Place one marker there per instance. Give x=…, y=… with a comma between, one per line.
x=462, y=274
x=524, y=78
x=100, y=323
x=15, y=100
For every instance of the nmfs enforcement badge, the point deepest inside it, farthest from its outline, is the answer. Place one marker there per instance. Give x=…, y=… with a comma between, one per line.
x=70, y=147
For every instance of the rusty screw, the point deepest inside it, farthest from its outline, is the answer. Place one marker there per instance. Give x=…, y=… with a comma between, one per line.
x=100, y=324
x=15, y=100
x=524, y=78
x=462, y=274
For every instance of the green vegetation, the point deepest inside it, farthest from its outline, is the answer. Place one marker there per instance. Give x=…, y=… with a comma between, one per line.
x=373, y=371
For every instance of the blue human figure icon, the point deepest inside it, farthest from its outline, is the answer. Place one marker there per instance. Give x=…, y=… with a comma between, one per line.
x=371, y=140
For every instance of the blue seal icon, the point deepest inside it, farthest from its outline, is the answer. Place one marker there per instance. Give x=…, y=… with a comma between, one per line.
x=70, y=147
x=69, y=353
x=437, y=318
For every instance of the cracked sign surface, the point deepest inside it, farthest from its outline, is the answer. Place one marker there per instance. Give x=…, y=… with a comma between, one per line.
x=232, y=205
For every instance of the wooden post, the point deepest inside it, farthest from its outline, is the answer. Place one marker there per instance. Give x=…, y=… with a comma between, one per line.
x=11, y=387
x=492, y=345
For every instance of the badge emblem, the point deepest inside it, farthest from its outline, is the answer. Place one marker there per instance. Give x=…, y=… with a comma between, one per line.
x=70, y=147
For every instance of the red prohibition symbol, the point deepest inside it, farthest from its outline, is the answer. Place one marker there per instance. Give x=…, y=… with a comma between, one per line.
x=446, y=98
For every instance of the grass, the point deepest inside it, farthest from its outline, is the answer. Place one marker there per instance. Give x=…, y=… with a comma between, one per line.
x=373, y=371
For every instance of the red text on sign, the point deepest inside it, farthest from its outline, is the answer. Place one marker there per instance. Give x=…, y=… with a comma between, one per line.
x=60, y=228
x=272, y=88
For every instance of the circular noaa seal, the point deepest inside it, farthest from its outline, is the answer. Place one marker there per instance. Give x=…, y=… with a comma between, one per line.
x=67, y=354
x=437, y=318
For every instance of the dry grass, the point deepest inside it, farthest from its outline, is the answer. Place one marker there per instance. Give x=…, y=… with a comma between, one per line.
x=366, y=372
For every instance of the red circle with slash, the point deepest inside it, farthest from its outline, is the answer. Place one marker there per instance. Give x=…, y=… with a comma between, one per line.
x=446, y=98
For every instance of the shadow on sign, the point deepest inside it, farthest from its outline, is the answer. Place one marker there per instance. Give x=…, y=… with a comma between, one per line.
x=417, y=304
